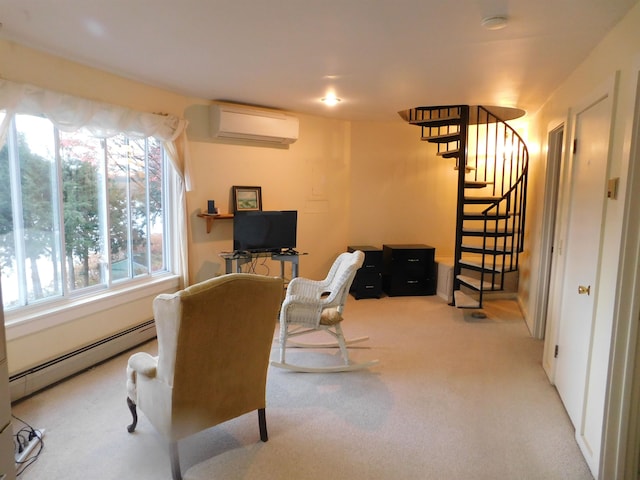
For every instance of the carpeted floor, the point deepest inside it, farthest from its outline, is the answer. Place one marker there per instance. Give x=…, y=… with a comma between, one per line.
x=453, y=397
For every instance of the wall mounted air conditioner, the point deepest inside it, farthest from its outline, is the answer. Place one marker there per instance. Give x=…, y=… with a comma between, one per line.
x=245, y=123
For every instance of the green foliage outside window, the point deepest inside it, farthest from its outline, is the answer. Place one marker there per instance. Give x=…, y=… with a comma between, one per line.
x=77, y=212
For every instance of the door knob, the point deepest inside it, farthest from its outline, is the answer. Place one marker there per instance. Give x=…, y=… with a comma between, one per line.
x=582, y=290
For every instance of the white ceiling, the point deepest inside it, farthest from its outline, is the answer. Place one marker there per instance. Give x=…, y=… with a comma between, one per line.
x=379, y=56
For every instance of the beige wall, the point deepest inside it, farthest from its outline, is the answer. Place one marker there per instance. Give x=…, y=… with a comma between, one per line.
x=617, y=56
x=615, y=60
x=361, y=182
x=400, y=191
x=352, y=183
x=21, y=64
x=310, y=176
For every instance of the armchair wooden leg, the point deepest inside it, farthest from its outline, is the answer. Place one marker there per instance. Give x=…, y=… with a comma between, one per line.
x=175, y=461
x=262, y=422
x=134, y=414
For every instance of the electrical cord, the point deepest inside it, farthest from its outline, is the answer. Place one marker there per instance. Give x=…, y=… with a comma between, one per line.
x=255, y=263
x=22, y=438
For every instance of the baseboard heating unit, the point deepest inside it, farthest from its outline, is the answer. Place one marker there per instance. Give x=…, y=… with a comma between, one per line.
x=36, y=378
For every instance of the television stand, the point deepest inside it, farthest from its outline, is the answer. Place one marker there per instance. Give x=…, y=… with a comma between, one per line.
x=241, y=258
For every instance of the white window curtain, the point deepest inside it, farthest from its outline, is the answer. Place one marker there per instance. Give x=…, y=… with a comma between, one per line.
x=103, y=120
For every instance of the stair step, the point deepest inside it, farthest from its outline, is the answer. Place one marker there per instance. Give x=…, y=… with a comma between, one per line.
x=437, y=122
x=482, y=200
x=477, y=266
x=488, y=250
x=467, y=168
x=479, y=232
x=443, y=138
x=499, y=267
x=462, y=300
x=480, y=216
x=449, y=153
x=476, y=184
x=476, y=284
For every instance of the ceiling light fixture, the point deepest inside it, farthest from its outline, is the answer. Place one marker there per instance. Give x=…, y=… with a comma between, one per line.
x=496, y=22
x=330, y=100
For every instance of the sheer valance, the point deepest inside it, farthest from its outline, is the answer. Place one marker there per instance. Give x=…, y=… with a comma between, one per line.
x=70, y=113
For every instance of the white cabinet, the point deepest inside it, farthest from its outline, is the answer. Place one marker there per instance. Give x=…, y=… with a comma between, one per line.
x=7, y=460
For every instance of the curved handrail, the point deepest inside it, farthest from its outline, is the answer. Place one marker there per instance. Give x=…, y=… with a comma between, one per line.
x=501, y=163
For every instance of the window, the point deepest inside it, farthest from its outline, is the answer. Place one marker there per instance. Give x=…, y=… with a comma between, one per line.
x=78, y=214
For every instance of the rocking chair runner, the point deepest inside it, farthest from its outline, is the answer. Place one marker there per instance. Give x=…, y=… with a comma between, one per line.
x=317, y=305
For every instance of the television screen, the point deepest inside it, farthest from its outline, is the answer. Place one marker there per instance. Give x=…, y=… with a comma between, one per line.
x=265, y=231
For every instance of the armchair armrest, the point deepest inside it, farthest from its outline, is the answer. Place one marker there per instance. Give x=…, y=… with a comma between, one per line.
x=144, y=364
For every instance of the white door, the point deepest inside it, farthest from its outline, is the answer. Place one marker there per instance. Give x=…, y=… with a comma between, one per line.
x=582, y=255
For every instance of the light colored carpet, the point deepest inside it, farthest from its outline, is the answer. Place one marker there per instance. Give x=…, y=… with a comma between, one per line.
x=453, y=398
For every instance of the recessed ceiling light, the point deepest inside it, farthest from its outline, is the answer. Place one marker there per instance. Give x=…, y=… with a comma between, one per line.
x=330, y=100
x=494, y=23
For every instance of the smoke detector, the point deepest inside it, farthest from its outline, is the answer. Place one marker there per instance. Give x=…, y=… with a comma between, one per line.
x=495, y=22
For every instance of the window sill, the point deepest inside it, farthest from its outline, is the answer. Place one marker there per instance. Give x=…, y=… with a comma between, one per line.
x=23, y=323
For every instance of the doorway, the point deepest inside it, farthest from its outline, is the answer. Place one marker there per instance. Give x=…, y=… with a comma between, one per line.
x=582, y=337
x=549, y=217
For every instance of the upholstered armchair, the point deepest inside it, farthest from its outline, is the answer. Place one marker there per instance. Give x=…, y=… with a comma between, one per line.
x=214, y=343
x=318, y=305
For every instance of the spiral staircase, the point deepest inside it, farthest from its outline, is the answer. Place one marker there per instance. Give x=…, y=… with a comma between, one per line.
x=492, y=161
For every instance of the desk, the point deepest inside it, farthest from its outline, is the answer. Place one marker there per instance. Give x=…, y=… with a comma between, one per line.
x=242, y=258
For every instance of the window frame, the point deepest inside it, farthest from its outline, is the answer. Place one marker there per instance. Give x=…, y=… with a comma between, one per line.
x=73, y=304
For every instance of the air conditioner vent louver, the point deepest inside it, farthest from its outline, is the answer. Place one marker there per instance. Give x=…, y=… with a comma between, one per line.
x=244, y=123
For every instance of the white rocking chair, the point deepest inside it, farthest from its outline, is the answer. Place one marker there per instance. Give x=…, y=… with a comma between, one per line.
x=317, y=305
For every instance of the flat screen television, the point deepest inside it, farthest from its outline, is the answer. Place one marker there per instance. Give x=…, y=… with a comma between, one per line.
x=265, y=231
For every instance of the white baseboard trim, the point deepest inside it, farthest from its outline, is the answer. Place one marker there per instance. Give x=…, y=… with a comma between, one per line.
x=27, y=382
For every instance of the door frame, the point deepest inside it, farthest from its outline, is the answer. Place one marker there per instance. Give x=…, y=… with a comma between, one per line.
x=621, y=429
x=553, y=301
x=555, y=154
x=607, y=88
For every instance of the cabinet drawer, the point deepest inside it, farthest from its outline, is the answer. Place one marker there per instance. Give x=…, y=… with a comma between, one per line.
x=372, y=262
x=409, y=269
x=407, y=286
x=412, y=257
x=372, y=257
x=367, y=279
x=367, y=285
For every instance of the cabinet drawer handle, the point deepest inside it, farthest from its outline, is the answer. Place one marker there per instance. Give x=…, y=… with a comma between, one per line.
x=412, y=281
x=413, y=259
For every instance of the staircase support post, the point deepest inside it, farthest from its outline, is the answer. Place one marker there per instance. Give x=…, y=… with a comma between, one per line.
x=462, y=159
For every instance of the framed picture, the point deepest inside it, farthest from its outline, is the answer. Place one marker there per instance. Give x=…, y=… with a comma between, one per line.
x=247, y=198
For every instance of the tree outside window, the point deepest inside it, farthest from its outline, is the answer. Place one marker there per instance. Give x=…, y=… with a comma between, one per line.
x=76, y=212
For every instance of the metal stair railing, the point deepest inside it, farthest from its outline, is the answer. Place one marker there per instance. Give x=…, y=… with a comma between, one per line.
x=509, y=182
x=490, y=155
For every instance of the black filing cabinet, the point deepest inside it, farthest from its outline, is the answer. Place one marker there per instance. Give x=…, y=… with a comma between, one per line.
x=368, y=280
x=409, y=269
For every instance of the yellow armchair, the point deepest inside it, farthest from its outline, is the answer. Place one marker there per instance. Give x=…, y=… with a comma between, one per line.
x=214, y=343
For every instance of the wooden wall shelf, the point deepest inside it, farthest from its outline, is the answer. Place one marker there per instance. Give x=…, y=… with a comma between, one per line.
x=210, y=217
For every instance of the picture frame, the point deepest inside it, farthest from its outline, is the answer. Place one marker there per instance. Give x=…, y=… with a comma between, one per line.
x=246, y=199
